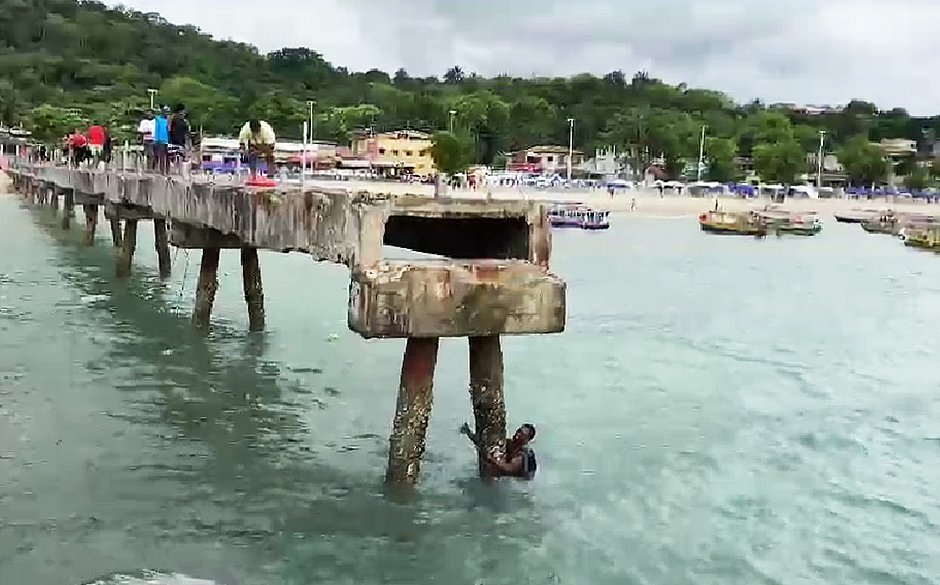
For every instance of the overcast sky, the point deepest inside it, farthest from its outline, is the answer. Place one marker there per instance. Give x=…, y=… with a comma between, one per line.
x=804, y=51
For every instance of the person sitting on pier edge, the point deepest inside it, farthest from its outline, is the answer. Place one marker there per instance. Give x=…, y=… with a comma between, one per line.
x=257, y=138
x=519, y=459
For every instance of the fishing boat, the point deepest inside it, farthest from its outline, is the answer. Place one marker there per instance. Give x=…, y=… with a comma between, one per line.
x=565, y=216
x=732, y=223
x=595, y=220
x=925, y=237
x=854, y=215
x=779, y=221
x=885, y=222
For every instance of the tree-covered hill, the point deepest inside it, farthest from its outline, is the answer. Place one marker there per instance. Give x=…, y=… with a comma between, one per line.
x=67, y=62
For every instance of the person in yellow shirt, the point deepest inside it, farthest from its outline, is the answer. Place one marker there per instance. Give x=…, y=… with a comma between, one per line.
x=257, y=139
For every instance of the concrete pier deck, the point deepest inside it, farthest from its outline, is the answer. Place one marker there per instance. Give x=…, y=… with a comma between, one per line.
x=488, y=276
x=496, y=280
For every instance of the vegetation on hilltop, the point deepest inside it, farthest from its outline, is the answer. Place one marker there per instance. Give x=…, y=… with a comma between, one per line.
x=66, y=62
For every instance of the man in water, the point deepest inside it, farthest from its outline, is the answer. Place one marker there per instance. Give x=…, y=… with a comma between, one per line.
x=257, y=138
x=518, y=460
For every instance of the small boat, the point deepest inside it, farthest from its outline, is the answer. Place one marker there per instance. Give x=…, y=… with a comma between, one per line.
x=925, y=237
x=805, y=223
x=565, y=216
x=732, y=223
x=595, y=220
x=854, y=216
x=883, y=223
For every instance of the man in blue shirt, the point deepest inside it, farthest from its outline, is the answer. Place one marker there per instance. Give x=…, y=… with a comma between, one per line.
x=161, y=138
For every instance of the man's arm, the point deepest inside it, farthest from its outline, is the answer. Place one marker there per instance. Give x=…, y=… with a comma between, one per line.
x=465, y=429
x=513, y=467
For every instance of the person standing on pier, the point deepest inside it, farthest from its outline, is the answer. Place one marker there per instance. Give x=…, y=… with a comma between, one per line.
x=257, y=139
x=161, y=140
x=145, y=132
x=517, y=461
x=96, y=138
x=179, y=134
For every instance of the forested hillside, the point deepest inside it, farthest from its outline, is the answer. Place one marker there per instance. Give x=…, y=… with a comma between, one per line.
x=66, y=62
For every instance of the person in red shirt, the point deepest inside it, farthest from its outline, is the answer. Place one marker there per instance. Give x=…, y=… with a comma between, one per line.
x=97, y=136
x=78, y=147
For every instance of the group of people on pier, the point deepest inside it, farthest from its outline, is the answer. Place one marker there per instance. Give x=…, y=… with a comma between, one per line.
x=166, y=138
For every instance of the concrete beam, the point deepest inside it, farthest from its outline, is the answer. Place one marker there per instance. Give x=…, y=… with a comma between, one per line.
x=443, y=298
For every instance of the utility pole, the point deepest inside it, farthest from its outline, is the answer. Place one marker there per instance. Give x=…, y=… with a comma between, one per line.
x=452, y=114
x=312, y=130
x=570, y=145
x=819, y=159
x=701, y=155
x=153, y=94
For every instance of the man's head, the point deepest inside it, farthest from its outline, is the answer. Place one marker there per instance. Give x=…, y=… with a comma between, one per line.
x=255, y=126
x=524, y=435
x=179, y=109
x=166, y=110
x=149, y=114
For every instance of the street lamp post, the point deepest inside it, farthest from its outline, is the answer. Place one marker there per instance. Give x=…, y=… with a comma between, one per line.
x=153, y=93
x=452, y=114
x=312, y=129
x=819, y=159
x=701, y=155
x=570, y=145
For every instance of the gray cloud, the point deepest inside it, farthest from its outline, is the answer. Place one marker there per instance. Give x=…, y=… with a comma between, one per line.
x=809, y=51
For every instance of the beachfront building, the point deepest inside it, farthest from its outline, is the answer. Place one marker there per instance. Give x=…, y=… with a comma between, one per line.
x=546, y=160
x=222, y=154
x=900, y=152
x=402, y=152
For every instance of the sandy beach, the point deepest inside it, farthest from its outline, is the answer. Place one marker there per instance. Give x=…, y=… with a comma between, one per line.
x=649, y=203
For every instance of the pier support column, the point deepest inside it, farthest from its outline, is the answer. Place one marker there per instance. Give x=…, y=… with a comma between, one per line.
x=162, y=244
x=486, y=394
x=91, y=223
x=54, y=198
x=415, y=396
x=116, y=238
x=125, y=255
x=205, y=288
x=68, y=207
x=254, y=293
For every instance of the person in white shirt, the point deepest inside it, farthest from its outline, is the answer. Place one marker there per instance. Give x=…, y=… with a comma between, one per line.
x=145, y=132
x=257, y=138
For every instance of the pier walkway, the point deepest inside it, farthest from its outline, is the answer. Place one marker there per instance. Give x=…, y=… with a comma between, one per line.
x=489, y=277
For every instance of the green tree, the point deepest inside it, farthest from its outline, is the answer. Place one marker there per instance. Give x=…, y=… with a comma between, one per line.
x=720, y=153
x=919, y=179
x=50, y=123
x=864, y=162
x=779, y=162
x=452, y=153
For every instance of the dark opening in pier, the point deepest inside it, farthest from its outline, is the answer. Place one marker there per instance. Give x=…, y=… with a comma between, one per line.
x=462, y=238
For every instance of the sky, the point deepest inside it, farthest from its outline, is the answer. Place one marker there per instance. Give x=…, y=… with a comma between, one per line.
x=803, y=51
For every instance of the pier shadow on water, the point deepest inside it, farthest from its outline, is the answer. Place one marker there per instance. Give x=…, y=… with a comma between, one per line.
x=228, y=481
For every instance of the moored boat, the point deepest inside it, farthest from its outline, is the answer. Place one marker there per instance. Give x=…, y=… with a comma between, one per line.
x=595, y=220
x=565, y=216
x=854, y=216
x=732, y=223
x=804, y=223
x=926, y=237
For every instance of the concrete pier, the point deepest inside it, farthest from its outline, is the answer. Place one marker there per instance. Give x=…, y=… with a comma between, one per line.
x=412, y=411
x=206, y=287
x=162, y=244
x=487, y=276
x=91, y=223
x=68, y=208
x=254, y=292
x=486, y=396
x=124, y=257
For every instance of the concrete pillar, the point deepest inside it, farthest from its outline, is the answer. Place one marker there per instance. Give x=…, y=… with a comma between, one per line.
x=91, y=223
x=68, y=206
x=486, y=395
x=125, y=255
x=205, y=288
x=162, y=244
x=254, y=293
x=54, y=198
x=116, y=238
x=415, y=396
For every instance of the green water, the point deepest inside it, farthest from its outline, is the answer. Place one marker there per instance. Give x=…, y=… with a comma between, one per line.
x=719, y=411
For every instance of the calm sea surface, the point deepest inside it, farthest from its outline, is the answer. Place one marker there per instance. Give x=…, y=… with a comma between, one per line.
x=719, y=411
